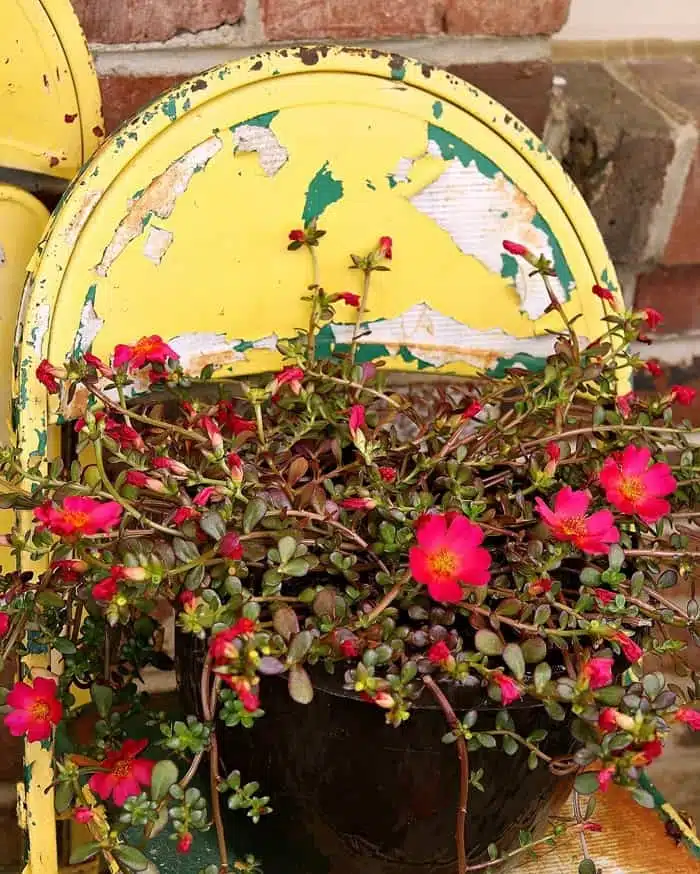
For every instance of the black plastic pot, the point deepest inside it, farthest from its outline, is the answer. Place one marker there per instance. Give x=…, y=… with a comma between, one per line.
x=373, y=799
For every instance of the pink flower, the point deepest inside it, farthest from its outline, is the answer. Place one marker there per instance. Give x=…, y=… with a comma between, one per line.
x=631, y=650
x=35, y=709
x=357, y=419
x=388, y=474
x=124, y=773
x=605, y=778
x=83, y=815
x=291, y=376
x=448, y=555
x=689, y=716
x=352, y=300
x=230, y=546
x=553, y=451
x=604, y=294
x=213, y=433
x=624, y=403
x=510, y=691
x=633, y=487
x=177, y=468
x=471, y=411
x=653, y=367
x=439, y=653
x=604, y=595
x=184, y=843
x=607, y=721
x=358, y=504
x=148, y=350
x=683, y=394
x=4, y=623
x=517, y=249
x=142, y=481
x=386, y=246
x=297, y=235
x=592, y=534
x=598, y=672
x=48, y=376
x=653, y=318
x=78, y=516
x=208, y=493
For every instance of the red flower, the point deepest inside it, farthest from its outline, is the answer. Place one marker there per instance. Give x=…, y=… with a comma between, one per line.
x=689, y=716
x=598, y=672
x=516, y=249
x=124, y=773
x=449, y=555
x=213, y=433
x=605, y=778
x=386, y=245
x=184, y=844
x=208, y=493
x=381, y=699
x=653, y=367
x=5, y=622
x=291, y=376
x=148, y=350
x=607, y=721
x=78, y=516
x=510, y=691
x=592, y=534
x=221, y=645
x=249, y=699
x=98, y=364
x=297, y=235
x=349, y=648
x=604, y=595
x=631, y=650
x=653, y=318
x=142, y=481
x=226, y=416
x=182, y=514
x=472, y=410
x=48, y=375
x=624, y=403
x=683, y=394
x=358, y=504
x=352, y=300
x=106, y=589
x=35, y=709
x=539, y=587
x=553, y=451
x=633, y=487
x=83, y=815
x=604, y=293
x=69, y=569
x=651, y=751
x=439, y=653
x=230, y=546
x=187, y=598
x=591, y=827
x=177, y=468
x=357, y=419
x=388, y=474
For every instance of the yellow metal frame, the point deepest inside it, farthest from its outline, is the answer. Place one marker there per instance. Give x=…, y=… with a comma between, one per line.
x=57, y=293
x=50, y=107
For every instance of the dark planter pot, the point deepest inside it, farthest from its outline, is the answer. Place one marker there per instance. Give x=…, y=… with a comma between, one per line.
x=373, y=799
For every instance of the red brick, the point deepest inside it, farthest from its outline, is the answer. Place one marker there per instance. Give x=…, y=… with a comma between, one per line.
x=675, y=292
x=505, y=17
x=123, y=96
x=676, y=83
x=347, y=19
x=523, y=88
x=124, y=21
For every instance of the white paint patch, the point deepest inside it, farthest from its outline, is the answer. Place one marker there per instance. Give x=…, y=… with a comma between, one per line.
x=90, y=326
x=41, y=326
x=157, y=242
x=256, y=138
x=76, y=224
x=200, y=348
x=479, y=212
x=438, y=339
x=3, y=259
x=402, y=170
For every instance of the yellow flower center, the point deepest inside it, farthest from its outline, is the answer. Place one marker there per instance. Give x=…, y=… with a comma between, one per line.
x=632, y=488
x=146, y=345
x=76, y=518
x=122, y=769
x=443, y=562
x=574, y=526
x=40, y=710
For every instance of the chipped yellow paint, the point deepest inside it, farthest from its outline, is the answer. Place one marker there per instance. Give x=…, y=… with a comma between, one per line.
x=179, y=226
x=50, y=111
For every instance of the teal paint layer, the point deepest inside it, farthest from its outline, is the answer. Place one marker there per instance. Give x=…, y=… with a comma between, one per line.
x=323, y=191
x=263, y=120
x=437, y=109
x=531, y=362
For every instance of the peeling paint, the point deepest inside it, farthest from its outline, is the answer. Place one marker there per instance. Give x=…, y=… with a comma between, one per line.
x=158, y=198
x=41, y=440
x=262, y=140
x=157, y=242
x=41, y=326
x=401, y=171
x=3, y=257
x=90, y=323
x=323, y=191
x=438, y=340
x=200, y=348
x=82, y=214
x=437, y=109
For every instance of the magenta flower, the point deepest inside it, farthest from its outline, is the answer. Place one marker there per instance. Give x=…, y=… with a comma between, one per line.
x=510, y=691
x=357, y=419
x=439, y=653
x=598, y=672
x=605, y=777
x=634, y=488
x=124, y=773
x=631, y=650
x=35, y=709
x=689, y=716
x=148, y=350
x=78, y=516
x=592, y=534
